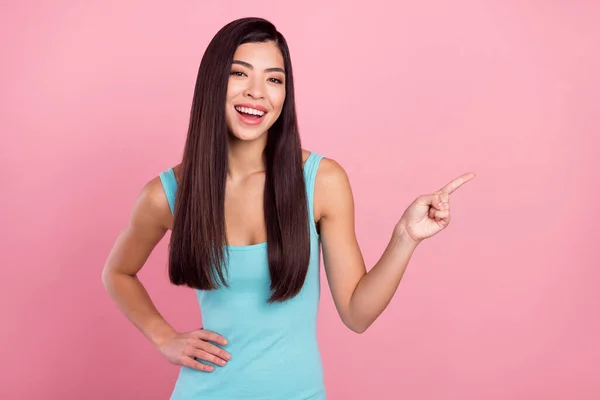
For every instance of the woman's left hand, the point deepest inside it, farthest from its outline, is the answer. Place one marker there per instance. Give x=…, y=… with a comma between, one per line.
x=429, y=213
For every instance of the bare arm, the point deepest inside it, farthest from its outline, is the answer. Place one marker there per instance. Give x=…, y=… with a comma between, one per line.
x=360, y=297
x=148, y=224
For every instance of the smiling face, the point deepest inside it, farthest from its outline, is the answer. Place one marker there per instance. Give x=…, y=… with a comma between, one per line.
x=255, y=91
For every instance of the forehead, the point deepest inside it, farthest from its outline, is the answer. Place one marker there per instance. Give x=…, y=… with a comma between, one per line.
x=260, y=55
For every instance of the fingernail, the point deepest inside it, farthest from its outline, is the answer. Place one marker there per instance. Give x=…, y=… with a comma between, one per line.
x=222, y=362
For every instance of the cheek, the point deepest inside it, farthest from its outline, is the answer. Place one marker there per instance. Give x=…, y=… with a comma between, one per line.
x=278, y=98
x=233, y=89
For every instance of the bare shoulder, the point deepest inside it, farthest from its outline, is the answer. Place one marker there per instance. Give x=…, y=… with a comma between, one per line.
x=152, y=207
x=331, y=172
x=332, y=188
x=149, y=220
x=328, y=168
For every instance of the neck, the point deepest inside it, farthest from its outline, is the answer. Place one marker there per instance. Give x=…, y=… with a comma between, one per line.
x=245, y=158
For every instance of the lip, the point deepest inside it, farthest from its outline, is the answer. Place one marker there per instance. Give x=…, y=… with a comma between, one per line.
x=245, y=119
x=254, y=106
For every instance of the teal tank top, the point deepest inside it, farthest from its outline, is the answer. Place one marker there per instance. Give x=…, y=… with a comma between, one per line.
x=274, y=350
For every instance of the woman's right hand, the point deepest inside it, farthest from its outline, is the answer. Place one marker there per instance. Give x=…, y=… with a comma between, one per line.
x=184, y=348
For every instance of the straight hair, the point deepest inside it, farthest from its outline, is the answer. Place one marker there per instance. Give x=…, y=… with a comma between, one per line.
x=198, y=246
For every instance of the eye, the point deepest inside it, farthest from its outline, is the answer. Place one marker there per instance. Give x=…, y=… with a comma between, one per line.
x=237, y=73
x=275, y=80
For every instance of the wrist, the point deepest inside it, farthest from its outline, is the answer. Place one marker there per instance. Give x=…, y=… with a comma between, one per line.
x=160, y=333
x=402, y=238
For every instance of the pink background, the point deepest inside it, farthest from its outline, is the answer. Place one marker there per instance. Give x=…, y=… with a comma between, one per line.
x=504, y=304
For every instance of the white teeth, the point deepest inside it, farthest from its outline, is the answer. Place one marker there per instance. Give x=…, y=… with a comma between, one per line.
x=251, y=111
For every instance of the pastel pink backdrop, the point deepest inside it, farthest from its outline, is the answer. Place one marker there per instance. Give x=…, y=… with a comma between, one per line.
x=504, y=304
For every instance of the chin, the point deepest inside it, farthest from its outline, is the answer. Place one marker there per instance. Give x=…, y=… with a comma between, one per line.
x=246, y=135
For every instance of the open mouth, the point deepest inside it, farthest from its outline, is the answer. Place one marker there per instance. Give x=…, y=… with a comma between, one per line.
x=250, y=116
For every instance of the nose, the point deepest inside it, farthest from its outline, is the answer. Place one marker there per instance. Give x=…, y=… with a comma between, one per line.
x=254, y=89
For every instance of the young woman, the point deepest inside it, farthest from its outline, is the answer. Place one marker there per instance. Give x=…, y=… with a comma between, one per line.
x=249, y=210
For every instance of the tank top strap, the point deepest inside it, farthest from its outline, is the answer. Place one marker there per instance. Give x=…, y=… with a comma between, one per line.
x=311, y=165
x=169, y=183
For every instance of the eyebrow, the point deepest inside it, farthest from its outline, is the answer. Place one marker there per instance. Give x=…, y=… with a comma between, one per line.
x=250, y=66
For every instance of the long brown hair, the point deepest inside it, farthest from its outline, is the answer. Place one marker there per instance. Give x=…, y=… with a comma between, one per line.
x=197, y=251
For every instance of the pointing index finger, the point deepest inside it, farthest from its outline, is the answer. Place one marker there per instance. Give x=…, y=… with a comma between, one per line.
x=458, y=182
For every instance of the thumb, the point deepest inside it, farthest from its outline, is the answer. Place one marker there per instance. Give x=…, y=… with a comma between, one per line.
x=426, y=199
